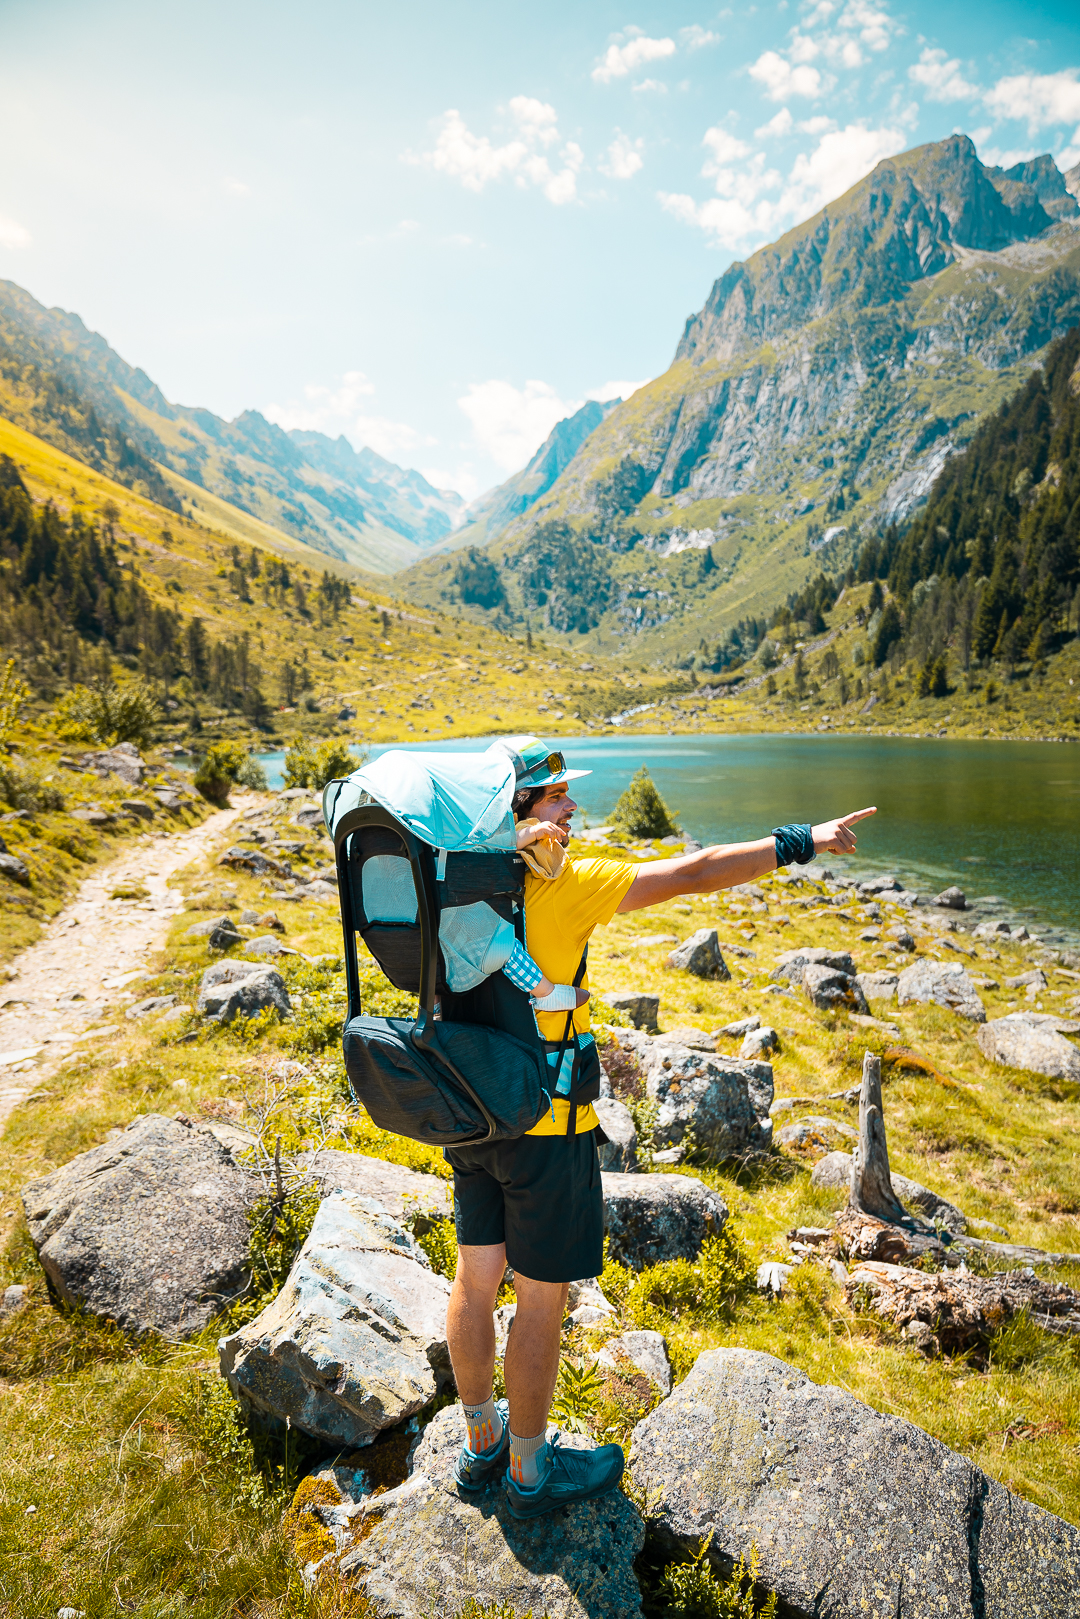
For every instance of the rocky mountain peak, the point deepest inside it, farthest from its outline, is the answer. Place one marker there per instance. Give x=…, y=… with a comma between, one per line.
x=903, y=221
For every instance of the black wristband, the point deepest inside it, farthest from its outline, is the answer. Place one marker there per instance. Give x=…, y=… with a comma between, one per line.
x=794, y=845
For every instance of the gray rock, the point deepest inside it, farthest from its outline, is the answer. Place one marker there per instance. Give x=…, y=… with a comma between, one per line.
x=878, y=986
x=310, y=816
x=169, y=799
x=641, y=1008
x=899, y=933
x=232, y=989
x=700, y=955
x=724, y=1101
x=422, y=1550
x=14, y=1297
x=203, y=930
x=412, y=1199
x=758, y=1042
x=1018, y=1043
x=953, y=899
x=696, y=1039
x=225, y=935
x=619, y=1151
x=16, y=870
x=122, y=761
x=356, y=1340
x=844, y=1504
x=989, y=930
x=772, y=1276
x=832, y=1171
x=649, y=1218
x=152, y=1004
x=830, y=990
x=878, y=885
x=944, y=983
x=91, y=817
x=149, y=1229
x=784, y=1104
x=136, y=808
x=1034, y=978
x=645, y=1350
x=792, y=963
x=268, y=944
x=248, y=919
x=255, y=862
x=744, y=1026
x=800, y=1132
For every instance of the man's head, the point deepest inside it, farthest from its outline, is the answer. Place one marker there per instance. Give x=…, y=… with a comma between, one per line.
x=541, y=780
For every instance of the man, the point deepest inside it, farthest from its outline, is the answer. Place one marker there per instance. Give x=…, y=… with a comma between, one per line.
x=536, y=1202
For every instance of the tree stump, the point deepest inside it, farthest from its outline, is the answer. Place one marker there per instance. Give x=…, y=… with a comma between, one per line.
x=871, y=1189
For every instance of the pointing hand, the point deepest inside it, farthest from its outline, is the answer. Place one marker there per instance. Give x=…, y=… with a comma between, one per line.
x=837, y=836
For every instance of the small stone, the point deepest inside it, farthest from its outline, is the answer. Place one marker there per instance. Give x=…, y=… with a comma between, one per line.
x=248, y=919
x=802, y=1131
x=830, y=989
x=694, y=1039
x=136, y=808
x=203, y=930
x=743, y=1026
x=270, y=920
x=772, y=1276
x=758, y=1042
x=225, y=935
x=619, y=1152
x=880, y=986
x=13, y=1298
x=232, y=989
x=953, y=899
x=793, y=963
x=152, y=1004
x=15, y=869
x=944, y=983
x=640, y=1007
x=701, y=955
x=646, y=1351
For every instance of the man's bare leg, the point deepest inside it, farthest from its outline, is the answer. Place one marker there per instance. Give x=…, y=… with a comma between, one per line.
x=470, y=1330
x=532, y=1352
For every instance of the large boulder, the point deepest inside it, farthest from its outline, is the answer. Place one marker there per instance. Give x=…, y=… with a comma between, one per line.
x=123, y=761
x=952, y=899
x=148, y=1230
x=701, y=955
x=791, y=963
x=619, y=1151
x=879, y=986
x=1016, y=1042
x=231, y=989
x=724, y=1101
x=646, y=1352
x=407, y=1196
x=649, y=1218
x=356, y=1340
x=945, y=983
x=852, y=1513
x=831, y=990
x=422, y=1549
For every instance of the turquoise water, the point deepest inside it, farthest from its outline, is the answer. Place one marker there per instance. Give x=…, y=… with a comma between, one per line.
x=994, y=817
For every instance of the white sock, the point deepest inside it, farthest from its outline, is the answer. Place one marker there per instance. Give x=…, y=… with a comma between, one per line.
x=563, y=998
x=528, y=1459
x=485, y=1425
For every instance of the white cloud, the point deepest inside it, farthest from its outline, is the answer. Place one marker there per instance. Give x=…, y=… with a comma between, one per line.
x=617, y=390
x=620, y=60
x=695, y=37
x=343, y=408
x=941, y=77
x=12, y=234
x=623, y=158
x=840, y=159
x=463, y=480
x=780, y=80
x=997, y=158
x=816, y=126
x=1070, y=156
x=651, y=84
x=235, y=188
x=728, y=220
x=874, y=25
x=511, y=423
x=1043, y=99
x=476, y=161
x=779, y=125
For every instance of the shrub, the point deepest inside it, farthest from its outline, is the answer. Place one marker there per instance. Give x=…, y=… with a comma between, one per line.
x=642, y=811
x=24, y=790
x=218, y=768
x=693, y=1588
x=252, y=774
x=108, y=714
x=13, y=694
x=314, y=766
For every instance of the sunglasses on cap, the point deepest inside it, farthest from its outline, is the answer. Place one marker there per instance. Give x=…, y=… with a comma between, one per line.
x=553, y=765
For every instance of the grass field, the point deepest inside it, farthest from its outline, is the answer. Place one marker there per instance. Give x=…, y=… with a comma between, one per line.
x=148, y=1498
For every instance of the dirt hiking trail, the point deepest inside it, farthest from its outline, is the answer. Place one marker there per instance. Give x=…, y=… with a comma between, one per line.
x=93, y=949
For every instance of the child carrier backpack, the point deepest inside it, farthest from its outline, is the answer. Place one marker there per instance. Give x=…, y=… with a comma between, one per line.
x=430, y=878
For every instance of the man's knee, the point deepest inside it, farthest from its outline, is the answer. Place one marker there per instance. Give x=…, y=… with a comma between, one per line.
x=480, y=1270
x=541, y=1299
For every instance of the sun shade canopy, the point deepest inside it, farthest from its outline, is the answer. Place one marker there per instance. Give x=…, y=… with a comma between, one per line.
x=454, y=801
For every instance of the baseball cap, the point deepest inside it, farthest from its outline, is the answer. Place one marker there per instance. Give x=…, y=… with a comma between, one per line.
x=535, y=764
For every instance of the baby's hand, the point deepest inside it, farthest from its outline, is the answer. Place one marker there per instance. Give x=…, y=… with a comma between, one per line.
x=534, y=831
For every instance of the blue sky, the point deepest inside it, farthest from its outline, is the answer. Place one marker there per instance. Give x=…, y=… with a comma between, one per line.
x=439, y=228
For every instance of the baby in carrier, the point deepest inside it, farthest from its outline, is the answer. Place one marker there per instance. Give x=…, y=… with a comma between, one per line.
x=540, y=846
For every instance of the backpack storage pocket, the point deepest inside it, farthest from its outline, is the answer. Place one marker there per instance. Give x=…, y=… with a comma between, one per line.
x=409, y=1090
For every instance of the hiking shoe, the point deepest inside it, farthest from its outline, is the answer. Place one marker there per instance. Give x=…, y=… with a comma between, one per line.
x=472, y=1472
x=574, y=1475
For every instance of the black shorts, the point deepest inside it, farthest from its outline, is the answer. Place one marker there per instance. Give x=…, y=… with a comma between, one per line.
x=541, y=1195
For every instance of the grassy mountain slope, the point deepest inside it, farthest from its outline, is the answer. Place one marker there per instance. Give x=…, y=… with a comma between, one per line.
x=354, y=507
x=313, y=653
x=815, y=398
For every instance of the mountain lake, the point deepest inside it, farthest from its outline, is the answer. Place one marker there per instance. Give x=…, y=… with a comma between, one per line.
x=995, y=818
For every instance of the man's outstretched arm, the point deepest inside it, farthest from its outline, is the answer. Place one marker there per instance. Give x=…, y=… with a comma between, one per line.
x=728, y=864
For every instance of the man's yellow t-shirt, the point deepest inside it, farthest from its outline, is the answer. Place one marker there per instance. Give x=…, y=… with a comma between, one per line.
x=559, y=918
